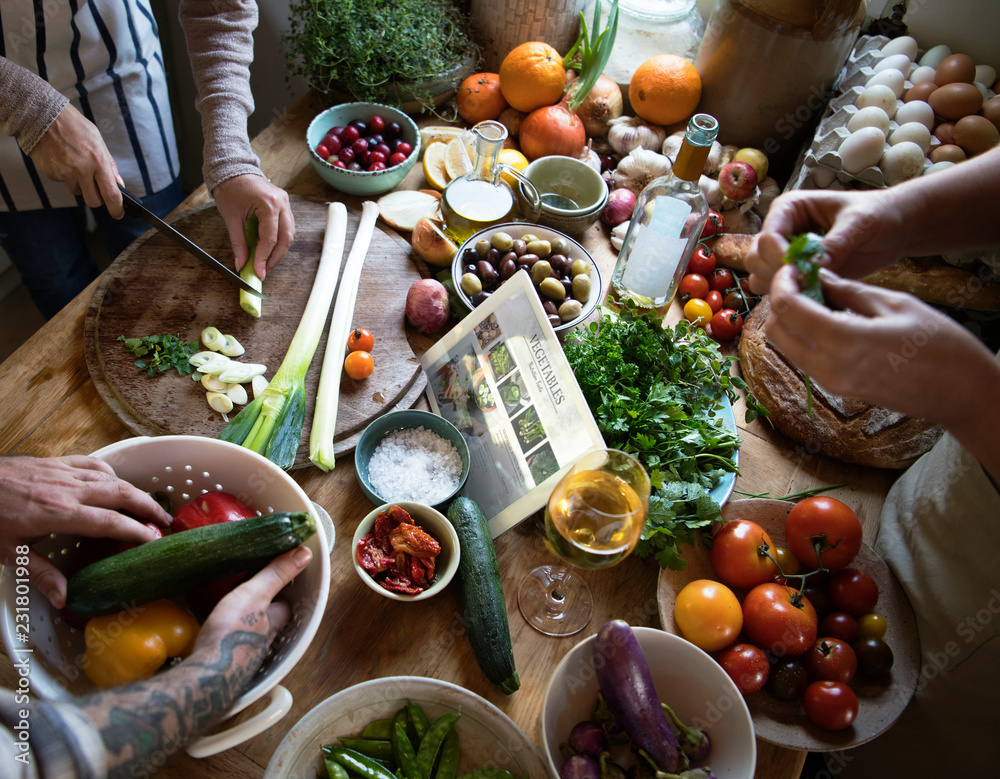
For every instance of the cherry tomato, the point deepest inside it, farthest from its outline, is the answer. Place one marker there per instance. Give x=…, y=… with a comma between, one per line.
x=875, y=657
x=708, y=614
x=827, y=522
x=787, y=562
x=726, y=324
x=359, y=365
x=788, y=679
x=853, y=591
x=734, y=299
x=693, y=285
x=831, y=705
x=714, y=300
x=739, y=556
x=831, y=659
x=697, y=312
x=360, y=340
x=872, y=626
x=715, y=224
x=839, y=624
x=721, y=279
x=779, y=619
x=746, y=665
x=819, y=599
x=702, y=261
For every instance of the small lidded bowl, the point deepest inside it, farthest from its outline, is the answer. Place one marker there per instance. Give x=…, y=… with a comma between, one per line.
x=362, y=182
x=435, y=524
x=573, y=193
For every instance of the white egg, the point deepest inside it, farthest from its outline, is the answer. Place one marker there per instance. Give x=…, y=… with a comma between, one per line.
x=893, y=79
x=916, y=111
x=870, y=116
x=862, y=149
x=901, y=162
x=922, y=74
x=982, y=89
x=911, y=132
x=879, y=95
x=822, y=177
x=937, y=166
x=933, y=56
x=904, y=44
x=986, y=74
x=898, y=62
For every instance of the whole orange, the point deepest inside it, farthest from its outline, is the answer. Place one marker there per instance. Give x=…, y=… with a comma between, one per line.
x=532, y=76
x=665, y=89
x=479, y=98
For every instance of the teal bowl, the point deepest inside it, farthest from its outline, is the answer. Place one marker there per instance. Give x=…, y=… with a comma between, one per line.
x=407, y=419
x=361, y=182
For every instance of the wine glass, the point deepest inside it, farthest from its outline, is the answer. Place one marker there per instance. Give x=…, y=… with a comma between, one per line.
x=593, y=519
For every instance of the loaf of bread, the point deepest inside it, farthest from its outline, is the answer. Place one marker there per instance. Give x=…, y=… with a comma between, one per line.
x=935, y=281
x=843, y=428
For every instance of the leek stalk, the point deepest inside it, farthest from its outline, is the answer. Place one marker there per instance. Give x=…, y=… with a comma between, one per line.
x=328, y=394
x=272, y=424
x=248, y=301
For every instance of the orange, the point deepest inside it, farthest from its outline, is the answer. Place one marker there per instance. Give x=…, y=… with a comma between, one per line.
x=532, y=76
x=665, y=89
x=479, y=98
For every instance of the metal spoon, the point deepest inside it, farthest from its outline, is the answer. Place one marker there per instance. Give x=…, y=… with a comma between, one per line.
x=558, y=201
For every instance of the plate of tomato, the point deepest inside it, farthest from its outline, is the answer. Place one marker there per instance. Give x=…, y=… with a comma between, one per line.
x=804, y=690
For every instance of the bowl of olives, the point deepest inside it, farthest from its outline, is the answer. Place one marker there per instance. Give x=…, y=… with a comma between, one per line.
x=562, y=272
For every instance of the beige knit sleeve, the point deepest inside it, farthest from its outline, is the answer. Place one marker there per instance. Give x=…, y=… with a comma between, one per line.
x=220, y=43
x=28, y=104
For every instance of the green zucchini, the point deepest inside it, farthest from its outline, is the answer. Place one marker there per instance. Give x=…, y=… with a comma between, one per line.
x=481, y=595
x=183, y=561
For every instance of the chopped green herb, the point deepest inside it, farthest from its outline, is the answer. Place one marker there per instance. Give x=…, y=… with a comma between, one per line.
x=160, y=353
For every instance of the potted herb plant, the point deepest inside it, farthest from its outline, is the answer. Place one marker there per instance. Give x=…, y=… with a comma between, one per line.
x=408, y=53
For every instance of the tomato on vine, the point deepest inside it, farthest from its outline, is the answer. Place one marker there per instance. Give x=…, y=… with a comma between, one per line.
x=721, y=279
x=740, y=554
x=779, y=619
x=702, y=261
x=693, y=285
x=726, y=324
x=359, y=365
x=698, y=312
x=360, y=340
x=714, y=300
x=715, y=224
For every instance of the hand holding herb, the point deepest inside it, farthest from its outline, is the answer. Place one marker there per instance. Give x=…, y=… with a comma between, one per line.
x=804, y=252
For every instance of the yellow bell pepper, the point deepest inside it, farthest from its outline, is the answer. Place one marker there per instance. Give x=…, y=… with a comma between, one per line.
x=133, y=645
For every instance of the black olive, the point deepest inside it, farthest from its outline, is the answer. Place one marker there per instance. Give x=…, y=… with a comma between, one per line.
x=489, y=275
x=479, y=297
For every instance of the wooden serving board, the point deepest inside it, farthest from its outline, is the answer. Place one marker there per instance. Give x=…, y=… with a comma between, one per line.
x=155, y=287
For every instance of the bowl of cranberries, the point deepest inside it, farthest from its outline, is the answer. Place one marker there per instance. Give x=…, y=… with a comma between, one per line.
x=363, y=148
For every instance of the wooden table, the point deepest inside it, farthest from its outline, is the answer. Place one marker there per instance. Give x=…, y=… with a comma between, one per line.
x=49, y=407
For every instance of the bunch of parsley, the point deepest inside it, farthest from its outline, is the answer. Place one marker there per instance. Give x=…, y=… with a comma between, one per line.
x=655, y=392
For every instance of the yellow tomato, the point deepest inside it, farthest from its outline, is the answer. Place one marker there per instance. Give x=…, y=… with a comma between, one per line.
x=698, y=312
x=708, y=614
x=872, y=626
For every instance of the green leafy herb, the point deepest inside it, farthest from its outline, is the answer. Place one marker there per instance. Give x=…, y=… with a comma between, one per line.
x=656, y=392
x=160, y=353
x=804, y=251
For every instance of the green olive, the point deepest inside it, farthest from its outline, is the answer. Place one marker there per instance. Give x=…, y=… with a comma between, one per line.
x=570, y=310
x=529, y=237
x=540, y=247
x=561, y=245
x=482, y=246
x=578, y=267
x=552, y=288
x=540, y=271
x=581, y=288
x=471, y=284
x=502, y=241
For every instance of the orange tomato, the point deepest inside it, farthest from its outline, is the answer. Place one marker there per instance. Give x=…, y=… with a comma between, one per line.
x=359, y=365
x=708, y=614
x=360, y=340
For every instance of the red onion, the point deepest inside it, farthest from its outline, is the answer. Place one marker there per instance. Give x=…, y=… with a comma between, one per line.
x=427, y=306
x=621, y=203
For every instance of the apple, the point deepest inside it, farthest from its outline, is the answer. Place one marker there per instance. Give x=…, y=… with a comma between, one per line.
x=755, y=158
x=737, y=180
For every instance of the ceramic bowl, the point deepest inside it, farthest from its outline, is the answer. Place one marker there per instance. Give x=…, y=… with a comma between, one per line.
x=437, y=525
x=361, y=182
x=686, y=678
x=573, y=193
x=487, y=736
x=516, y=230
x=406, y=419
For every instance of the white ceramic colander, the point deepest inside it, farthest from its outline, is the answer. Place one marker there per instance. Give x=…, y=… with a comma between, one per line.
x=184, y=467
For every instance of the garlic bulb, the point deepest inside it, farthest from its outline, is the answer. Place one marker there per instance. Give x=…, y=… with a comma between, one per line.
x=618, y=234
x=728, y=152
x=769, y=190
x=592, y=158
x=714, y=162
x=630, y=132
x=639, y=167
x=672, y=145
x=713, y=194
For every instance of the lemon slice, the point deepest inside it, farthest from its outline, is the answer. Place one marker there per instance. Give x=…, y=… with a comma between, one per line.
x=434, y=166
x=439, y=133
x=516, y=160
x=457, y=161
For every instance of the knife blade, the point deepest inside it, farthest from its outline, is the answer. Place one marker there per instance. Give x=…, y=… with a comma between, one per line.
x=134, y=208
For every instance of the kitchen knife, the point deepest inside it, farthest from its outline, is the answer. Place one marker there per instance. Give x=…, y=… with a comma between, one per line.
x=134, y=208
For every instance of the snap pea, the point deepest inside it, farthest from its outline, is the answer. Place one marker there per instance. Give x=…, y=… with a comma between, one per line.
x=402, y=748
x=379, y=728
x=379, y=749
x=447, y=765
x=334, y=770
x=418, y=719
x=432, y=740
x=362, y=765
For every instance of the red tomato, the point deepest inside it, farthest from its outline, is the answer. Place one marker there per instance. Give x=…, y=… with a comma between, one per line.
x=739, y=554
x=698, y=312
x=831, y=659
x=831, y=705
x=852, y=591
x=693, y=285
x=734, y=299
x=840, y=625
x=360, y=340
x=778, y=619
x=714, y=300
x=211, y=509
x=828, y=523
x=721, y=279
x=746, y=665
x=726, y=324
x=787, y=562
x=702, y=261
x=715, y=224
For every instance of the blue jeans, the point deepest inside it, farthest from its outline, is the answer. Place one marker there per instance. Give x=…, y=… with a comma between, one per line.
x=48, y=246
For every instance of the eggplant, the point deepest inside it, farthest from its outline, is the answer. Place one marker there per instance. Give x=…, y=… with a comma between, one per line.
x=624, y=678
x=589, y=738
x=580, y=767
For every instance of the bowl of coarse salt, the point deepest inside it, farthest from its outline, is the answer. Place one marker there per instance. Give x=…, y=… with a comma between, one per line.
x=411, y=455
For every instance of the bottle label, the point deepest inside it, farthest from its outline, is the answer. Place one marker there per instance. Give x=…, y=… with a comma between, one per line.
x=657, y=249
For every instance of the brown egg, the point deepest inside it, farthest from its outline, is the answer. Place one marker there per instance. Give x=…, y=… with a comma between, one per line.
x=947, y=152
x=957, y=67
x=976, y=134
x=991, y=110
x=953, y=101
x=920, y=91
x=945, y=132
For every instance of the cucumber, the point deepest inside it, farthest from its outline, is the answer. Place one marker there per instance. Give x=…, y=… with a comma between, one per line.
x=183, y=561
x=481, y=595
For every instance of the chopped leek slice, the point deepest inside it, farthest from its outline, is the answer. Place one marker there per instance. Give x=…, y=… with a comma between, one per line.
x=200, y=358
x=213, y=339
x=232, y=347
x=250, y=302
x=220, y=402
x=217, y=364
x=238, y=394
x=241, y=372
x=258, y=384
x=213, y=383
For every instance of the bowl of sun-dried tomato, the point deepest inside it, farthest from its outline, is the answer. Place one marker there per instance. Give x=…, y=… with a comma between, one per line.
x=406, y=551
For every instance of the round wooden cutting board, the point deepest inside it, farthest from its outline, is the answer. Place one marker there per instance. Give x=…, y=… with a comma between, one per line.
x=156, y=288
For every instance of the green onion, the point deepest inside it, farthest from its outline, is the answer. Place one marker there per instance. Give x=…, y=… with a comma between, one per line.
x=250, y=302
x=272, y=424
x=590, y=54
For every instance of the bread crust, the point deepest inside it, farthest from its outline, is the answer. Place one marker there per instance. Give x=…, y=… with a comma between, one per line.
x=935, y=281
